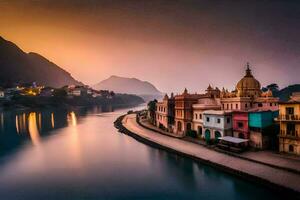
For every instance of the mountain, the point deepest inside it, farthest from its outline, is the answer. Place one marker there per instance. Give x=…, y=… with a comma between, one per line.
x=129, y=86
x=285, y=93
x=18, y=66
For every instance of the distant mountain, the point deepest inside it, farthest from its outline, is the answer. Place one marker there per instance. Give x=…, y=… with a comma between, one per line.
x=285, y=93
x=18, y=66
x=129, y=86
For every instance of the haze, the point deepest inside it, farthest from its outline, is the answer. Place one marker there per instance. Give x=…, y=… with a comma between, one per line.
x=172, y=44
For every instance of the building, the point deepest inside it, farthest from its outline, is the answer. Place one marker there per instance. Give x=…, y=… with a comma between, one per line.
x=46, y=92
x=248, y=95
x=165, y=113
x=184, y=111
x=77, y=90
x=216, y=123
x=262, y=130
x=289, y=121
x=202, y=105
x=240, y=126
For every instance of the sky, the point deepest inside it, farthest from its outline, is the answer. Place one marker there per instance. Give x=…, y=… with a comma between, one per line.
x=171, y=43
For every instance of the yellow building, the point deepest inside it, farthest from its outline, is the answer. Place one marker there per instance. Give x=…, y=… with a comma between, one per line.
x=289, y=120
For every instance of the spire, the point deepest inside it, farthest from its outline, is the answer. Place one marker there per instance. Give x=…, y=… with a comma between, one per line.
x=185, y=91
x=209, y=87
x=248, y=70
x=166, y=97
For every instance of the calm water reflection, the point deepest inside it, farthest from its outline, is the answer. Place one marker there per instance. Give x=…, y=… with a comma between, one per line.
x=79, y=155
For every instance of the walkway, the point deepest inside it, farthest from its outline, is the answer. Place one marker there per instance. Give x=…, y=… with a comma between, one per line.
x=277, y=176
x=288, y=162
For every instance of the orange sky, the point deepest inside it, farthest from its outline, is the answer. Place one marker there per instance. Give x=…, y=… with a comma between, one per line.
x=172, y=45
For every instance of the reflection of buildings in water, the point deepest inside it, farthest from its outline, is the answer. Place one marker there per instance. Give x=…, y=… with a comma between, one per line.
x=52, y=120
x=74, y=141
x=33, y=128
x=17, y=124
x=72, y=120
x=24, y=122
x=21, y=126
x=2, y=121
x=40, y=121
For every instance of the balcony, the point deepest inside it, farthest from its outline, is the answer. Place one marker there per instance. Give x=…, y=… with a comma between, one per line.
x=288, y=118
x=292, y=134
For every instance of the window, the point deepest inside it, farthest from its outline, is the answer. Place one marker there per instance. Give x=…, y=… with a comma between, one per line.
x=196, y=116
x=271, y=104
x=240, y=124
x=227, y=105
x=231, y=106
x=291, y=148
x=236, y=106
x=207, y=119
x=289, y=111
x=218, y=120
x=246, y=105
x=228, y=120
x=260, y=105
x=291, y=129
x=200, y=116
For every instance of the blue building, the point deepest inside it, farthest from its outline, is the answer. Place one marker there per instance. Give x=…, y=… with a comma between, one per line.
x=263, y=130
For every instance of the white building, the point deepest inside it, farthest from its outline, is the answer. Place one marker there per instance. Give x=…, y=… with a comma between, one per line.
x=217, y=123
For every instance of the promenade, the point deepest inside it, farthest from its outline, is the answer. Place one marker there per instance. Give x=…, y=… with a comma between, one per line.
x=249, y=169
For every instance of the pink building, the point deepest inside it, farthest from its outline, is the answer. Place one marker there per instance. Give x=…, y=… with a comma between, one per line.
x=240, y=124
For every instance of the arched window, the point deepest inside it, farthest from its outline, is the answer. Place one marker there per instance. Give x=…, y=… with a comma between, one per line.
x=200, y=130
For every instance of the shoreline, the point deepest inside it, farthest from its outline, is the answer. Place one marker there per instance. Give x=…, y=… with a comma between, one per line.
x=238, y=173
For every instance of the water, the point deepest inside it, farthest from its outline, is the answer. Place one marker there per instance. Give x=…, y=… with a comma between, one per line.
x=80, y=155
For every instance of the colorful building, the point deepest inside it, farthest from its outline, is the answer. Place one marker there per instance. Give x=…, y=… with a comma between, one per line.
x=289, y=121
x=165, y=113
x=263, y=131
x=184, y=111
x=198, y=109
x=216, y=123
x=240, y=124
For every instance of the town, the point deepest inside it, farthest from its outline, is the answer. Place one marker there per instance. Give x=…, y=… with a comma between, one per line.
x=246, y=118
x=33, y=95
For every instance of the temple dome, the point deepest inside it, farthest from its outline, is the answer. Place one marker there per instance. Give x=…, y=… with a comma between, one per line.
x=248, y=86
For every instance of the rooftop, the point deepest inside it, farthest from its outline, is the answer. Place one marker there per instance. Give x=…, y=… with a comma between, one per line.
x=233, y=139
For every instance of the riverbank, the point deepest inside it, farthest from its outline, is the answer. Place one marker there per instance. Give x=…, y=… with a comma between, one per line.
x=38, y=102
x=278, y=179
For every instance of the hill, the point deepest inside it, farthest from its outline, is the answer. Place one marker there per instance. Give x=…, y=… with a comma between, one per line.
x=18, y=66
x=129, y=86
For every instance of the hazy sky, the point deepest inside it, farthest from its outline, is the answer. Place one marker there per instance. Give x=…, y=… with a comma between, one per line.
x=171, y=43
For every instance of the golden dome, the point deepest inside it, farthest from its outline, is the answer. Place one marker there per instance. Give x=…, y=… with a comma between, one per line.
x=248, y=86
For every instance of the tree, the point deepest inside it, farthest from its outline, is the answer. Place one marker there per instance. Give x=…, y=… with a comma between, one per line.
x=273, y=87
x=152, y=109
x=59, y=92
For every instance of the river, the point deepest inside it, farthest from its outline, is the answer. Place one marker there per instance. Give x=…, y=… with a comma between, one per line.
x=58, y=154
